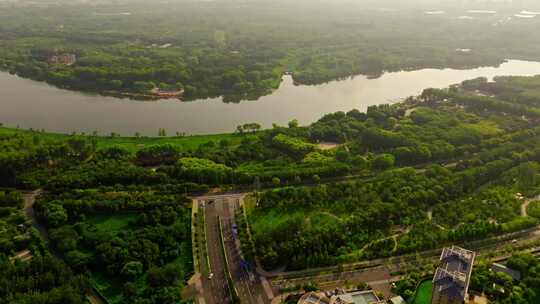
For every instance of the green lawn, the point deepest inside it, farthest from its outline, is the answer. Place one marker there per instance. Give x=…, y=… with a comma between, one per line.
x=134, y=144
x=185, y=143
x=423, y=294
x=112, y=223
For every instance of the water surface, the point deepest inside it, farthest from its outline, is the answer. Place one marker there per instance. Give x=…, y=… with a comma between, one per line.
x=31, y=104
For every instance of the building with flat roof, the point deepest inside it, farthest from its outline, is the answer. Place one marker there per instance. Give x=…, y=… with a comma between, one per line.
x=354, y=297
x=62, y=59
x=452, y=277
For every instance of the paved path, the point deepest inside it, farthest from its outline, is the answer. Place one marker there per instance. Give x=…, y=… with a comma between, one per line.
x=526, y=203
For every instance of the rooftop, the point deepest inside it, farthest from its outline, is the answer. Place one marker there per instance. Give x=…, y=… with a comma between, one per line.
x=453, y=275
x=355, y=297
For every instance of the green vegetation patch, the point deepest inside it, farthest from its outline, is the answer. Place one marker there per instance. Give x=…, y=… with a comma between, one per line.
x=136, y=245
x=423, y=293
x=112, y=223
x=534, y=209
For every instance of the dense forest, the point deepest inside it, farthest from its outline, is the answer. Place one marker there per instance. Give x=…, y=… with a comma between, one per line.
x=443, y=167
x=136, y=242
x=29, y=273
x=241, y=51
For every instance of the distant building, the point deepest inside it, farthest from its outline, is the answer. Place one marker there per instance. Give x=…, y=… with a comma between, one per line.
x=355, y=297
x=167, y=93
x=514, y=274
x=63, y=59
x=452, y=278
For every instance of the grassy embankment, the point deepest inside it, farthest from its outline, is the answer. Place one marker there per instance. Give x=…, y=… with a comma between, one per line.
x=134, y=144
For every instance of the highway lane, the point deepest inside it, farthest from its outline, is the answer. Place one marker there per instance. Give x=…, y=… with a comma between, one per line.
x=216, y=290
x=248, y=284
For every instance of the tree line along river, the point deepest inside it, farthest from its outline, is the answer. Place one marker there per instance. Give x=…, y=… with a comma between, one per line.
x=30, y=104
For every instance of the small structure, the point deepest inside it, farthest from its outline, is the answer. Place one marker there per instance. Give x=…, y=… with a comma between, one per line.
x=514, y=274
x=452, y=278
x=397, y=300
x=314, y=298
x=62, y=59
x=167, y=93
x=340, y=297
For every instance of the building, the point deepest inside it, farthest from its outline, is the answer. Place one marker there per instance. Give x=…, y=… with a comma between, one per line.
x=354, y=297
x=167, y=93
x=314, y=298
x=397, y=300
x=63, y=59
x=514, y=274
x=452, y=277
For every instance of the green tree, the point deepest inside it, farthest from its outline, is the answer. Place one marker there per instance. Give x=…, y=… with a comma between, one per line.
x=132, y=270
x=293, y=124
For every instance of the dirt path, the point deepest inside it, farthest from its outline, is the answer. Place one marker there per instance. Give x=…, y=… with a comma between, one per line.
x=29, y=200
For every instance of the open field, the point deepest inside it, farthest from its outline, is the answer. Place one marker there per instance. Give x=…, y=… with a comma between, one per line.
x=134, y=144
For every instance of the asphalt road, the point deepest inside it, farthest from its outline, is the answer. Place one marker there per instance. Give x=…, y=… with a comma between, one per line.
x=247, y=283
x=216, y=289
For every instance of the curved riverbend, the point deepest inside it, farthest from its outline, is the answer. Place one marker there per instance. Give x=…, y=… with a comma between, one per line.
x=31, y=104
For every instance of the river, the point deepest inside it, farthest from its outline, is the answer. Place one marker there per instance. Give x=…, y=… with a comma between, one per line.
x=30, y=104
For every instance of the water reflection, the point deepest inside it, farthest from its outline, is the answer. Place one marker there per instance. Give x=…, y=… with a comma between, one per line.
x=36, y=105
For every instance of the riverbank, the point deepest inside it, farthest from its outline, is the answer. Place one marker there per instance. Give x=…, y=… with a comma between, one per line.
x=134, y=144
x=36, y=105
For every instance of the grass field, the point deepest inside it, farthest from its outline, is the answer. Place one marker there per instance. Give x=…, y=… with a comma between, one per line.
x=134, y=144
x=423, y=293
x=112, y=223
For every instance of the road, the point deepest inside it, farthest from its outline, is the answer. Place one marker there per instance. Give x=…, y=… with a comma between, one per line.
x=248, y=284
x=216, y=289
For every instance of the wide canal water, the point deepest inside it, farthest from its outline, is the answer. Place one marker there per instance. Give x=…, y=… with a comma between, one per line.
x=31, y=104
